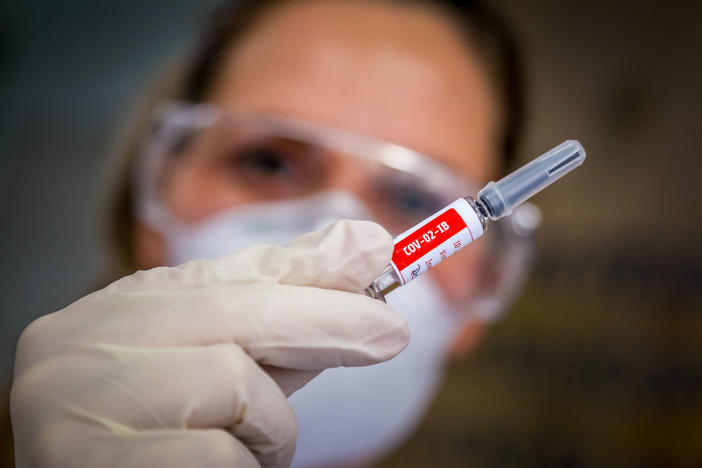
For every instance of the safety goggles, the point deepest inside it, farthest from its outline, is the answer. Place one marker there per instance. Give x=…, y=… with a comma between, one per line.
x=256, y=158
x=271, y=157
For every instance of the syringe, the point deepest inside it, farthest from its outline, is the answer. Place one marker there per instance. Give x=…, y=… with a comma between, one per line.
x=444, y=233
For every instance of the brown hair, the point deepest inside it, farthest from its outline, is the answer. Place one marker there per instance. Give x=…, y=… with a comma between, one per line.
x=191, y=81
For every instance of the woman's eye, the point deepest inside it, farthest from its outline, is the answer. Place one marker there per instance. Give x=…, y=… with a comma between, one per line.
x=406, y=200
x=264, y=161
x=416, y=203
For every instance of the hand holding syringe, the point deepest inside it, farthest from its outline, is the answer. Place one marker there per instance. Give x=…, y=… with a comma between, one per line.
x=453, y=227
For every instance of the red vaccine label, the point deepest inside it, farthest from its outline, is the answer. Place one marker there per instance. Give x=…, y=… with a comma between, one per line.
x=422, y=247
x=423, y=240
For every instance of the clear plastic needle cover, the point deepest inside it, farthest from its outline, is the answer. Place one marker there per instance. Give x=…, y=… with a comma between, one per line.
x=499, y=198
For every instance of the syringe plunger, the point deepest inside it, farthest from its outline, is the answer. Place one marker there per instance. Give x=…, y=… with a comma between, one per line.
x=500, y=198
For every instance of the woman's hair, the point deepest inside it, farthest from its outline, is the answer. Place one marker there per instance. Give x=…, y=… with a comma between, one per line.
x=484, y=32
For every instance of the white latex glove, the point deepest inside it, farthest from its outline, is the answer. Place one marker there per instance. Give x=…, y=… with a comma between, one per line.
x=163, y=368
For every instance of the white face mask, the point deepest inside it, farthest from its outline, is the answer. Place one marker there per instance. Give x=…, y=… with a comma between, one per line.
x=255, y=224
x=346, y=414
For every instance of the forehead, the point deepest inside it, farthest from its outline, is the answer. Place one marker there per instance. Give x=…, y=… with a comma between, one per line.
x=396, y=72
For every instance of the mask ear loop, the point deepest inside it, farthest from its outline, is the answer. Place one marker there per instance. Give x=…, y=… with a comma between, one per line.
x=506, y=264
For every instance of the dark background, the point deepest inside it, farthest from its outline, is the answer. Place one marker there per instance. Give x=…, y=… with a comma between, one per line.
x=599, y=363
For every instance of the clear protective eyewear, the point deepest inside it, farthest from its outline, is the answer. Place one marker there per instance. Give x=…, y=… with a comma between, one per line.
x=258, y=158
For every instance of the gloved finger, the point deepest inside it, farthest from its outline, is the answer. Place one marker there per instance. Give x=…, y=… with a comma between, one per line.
x=280, y=325
x=216, y=386
x=213, y=448
x=347, y=255
x=276, y=324
x=126, y=448
x=290, y=380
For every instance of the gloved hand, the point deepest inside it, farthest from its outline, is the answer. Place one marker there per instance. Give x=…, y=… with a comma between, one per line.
x=190, y=366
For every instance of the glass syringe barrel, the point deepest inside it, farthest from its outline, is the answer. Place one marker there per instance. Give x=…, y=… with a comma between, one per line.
x=433, y=240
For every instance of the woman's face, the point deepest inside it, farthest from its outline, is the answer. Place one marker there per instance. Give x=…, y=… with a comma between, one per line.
x=399, y=73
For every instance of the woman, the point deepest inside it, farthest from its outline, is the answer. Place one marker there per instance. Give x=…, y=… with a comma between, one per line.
x=292, y=114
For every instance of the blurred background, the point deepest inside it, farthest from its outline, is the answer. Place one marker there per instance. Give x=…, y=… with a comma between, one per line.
x=598, y=364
